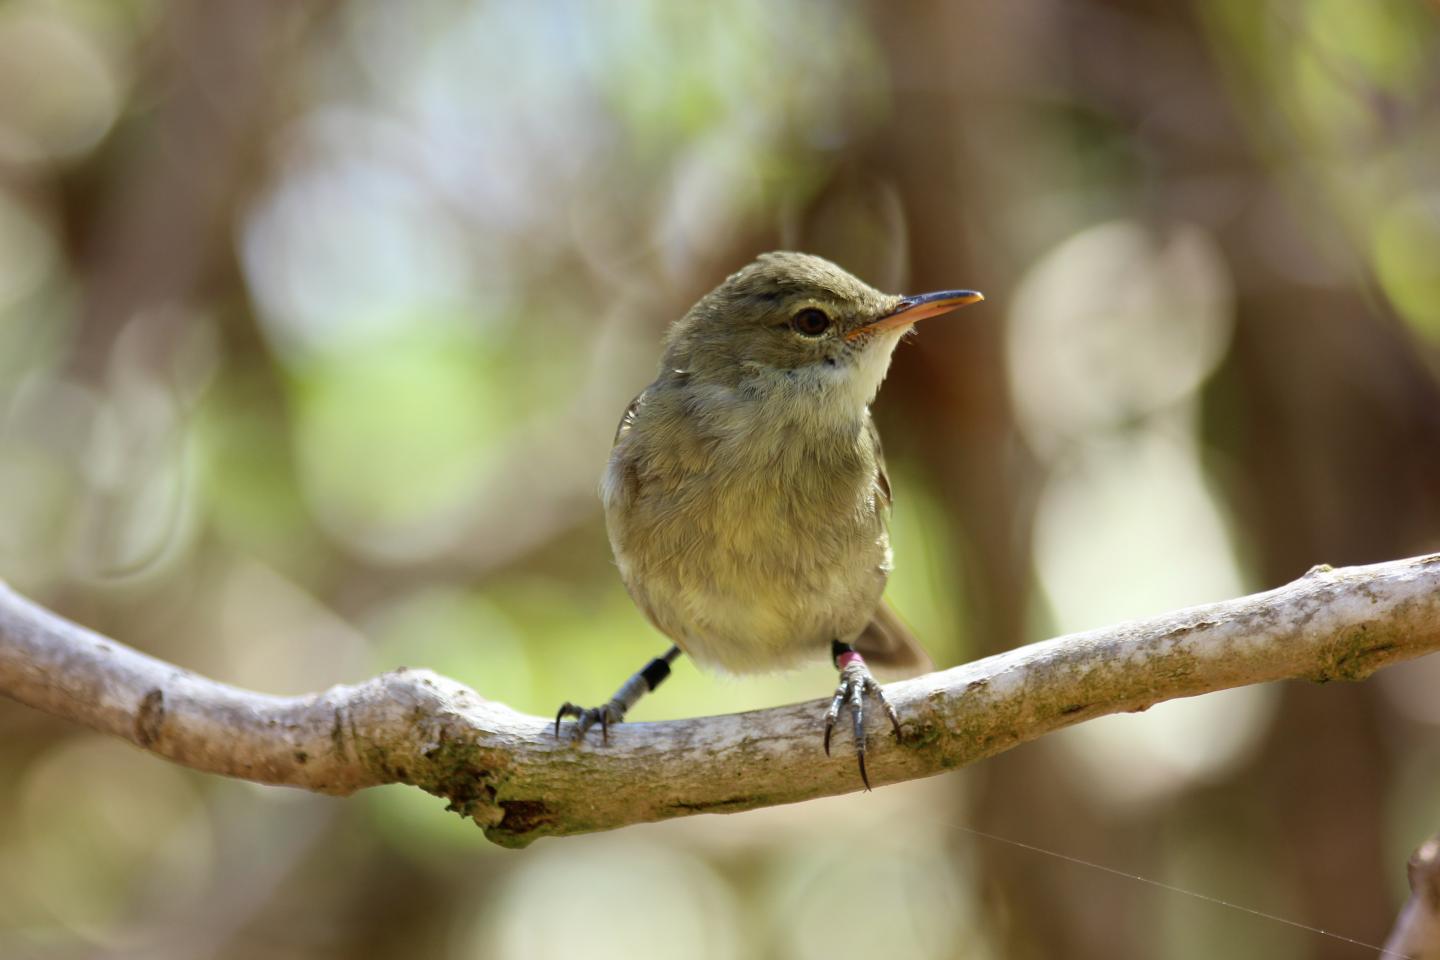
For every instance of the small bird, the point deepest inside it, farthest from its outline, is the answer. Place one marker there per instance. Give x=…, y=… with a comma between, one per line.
x=746, y=496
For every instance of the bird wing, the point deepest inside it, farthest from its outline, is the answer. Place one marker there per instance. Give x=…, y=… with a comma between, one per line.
x=886, y=641
x=627, y=419
x=882, y=479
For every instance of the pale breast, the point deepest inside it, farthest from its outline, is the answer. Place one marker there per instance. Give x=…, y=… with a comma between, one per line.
x=750, y=547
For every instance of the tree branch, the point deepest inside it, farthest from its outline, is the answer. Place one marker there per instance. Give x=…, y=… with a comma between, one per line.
x=507, y=771
x=1416, y=933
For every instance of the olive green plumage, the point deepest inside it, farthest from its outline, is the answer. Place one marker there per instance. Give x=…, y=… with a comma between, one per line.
x=746, y=494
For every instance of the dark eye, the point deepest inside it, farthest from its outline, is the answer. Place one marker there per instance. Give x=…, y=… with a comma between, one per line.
x=812, y=321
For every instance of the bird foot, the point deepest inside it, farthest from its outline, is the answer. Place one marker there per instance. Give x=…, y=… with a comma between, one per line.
x=587, y=717
x=855, y=682
x=626, y=697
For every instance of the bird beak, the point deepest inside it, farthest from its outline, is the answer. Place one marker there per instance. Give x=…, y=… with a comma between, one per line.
x=917, y=308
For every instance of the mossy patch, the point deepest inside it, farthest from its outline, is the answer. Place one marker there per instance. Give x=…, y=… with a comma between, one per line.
x=1356, y=655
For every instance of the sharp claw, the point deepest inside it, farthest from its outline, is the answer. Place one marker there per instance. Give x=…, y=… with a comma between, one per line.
x=855, y=683
x=873, y=687
x=833, y=714
x=566, y=709
x=857, y=711
x=890, y=712
x=857, y=705
x=585, y=719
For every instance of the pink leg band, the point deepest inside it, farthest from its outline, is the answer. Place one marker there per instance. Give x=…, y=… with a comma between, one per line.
x=845, y=659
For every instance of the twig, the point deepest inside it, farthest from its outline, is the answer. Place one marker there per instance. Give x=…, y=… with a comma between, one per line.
x=507, y=771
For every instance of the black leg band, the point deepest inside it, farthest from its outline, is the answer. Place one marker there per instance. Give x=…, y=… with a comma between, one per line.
x=655, y=671
x=837, y=650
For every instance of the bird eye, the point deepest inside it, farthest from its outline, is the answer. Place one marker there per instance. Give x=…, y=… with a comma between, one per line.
x=812, y=321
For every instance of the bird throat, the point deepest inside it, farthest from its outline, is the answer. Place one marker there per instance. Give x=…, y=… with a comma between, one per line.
x=832, y=395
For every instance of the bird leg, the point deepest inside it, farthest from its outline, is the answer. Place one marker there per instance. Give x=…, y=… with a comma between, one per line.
x=855, y=683
x=615, y=709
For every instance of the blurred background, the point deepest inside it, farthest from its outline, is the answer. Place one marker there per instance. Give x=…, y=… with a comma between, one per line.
x=316, y=320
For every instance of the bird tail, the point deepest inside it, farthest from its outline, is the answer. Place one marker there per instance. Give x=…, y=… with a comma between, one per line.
x=887, y=642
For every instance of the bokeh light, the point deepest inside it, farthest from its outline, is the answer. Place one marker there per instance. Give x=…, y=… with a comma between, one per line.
x=316, y=321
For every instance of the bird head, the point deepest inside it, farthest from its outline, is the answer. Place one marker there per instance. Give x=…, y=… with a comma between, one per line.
x=798, y=327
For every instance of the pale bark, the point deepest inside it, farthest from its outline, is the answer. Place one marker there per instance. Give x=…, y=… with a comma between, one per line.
x=507, y=771
x=1416, y=934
